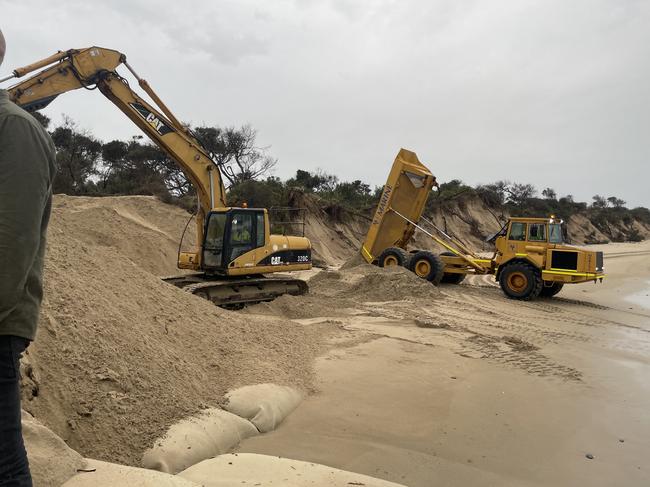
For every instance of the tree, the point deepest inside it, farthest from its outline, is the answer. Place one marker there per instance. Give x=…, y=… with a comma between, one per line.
x=549, y=194
x=452, y=188
x=616, y=202
x=44, y=120
x=519, y=194
x=235, y=152
x=568, y=198
x=314, y=182
x=77, y=156
x=493, y=195
x=258, y=194
x=642, y=214
x=599, y=202
x=355, y=194
x=136, y=168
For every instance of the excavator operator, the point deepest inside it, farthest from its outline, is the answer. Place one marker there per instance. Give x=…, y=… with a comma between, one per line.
x=240, y=233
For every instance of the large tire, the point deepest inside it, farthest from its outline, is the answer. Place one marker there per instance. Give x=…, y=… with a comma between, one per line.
x=520, y=280
x=393, y=256
x=427, y=265
x=552, y=290
x=451, y=277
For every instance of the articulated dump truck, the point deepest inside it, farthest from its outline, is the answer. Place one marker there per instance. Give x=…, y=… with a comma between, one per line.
x=530, y=257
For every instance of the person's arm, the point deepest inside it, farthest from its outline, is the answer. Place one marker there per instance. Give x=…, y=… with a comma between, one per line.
x=24, y=191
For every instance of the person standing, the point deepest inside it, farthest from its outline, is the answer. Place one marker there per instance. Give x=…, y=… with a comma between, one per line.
x=27, y=168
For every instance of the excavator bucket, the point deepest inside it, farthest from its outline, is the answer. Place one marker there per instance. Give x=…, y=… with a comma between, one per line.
x=405, y=194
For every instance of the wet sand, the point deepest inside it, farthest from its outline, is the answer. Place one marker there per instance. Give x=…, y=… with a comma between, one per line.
x=627, y=285
x=475, y=389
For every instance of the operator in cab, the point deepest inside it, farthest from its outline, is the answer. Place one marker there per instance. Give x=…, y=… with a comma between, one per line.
x=27, y=167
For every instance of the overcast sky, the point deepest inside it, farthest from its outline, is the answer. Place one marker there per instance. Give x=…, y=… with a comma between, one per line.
x=554, y=93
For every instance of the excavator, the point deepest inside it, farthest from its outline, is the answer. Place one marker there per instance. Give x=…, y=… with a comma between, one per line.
x=235, y=245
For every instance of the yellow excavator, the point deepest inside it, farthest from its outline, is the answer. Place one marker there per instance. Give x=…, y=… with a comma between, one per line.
x=236, y=247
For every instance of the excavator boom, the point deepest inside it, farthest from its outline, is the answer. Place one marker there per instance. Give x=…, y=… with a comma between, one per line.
x=96, y=67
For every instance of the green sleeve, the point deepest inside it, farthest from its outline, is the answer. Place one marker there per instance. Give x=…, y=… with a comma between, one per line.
x=24, y=192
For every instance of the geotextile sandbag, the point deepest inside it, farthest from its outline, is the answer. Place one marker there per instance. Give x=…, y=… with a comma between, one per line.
x=103, y=474
x=51, y=461
x=264, y=405
x=252, y=469
x=192, y=440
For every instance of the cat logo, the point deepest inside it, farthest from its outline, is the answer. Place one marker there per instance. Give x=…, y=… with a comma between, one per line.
x=159, y=126
x=276, y=260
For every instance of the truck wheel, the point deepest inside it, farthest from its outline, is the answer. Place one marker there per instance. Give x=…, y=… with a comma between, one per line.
x=451, y=277
x=521, y=281
x=427, y=265
x=393, y=256
x=552, y=290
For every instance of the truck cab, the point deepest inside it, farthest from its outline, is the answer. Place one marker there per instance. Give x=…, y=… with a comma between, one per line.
x=532, y=251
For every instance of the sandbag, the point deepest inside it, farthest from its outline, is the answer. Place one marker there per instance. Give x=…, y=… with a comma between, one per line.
x=51, y=461
x=103, y=474
x=264, y=405
x=192, y=440
x=253, y=469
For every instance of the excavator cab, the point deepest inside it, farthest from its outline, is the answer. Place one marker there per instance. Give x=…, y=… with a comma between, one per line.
x=230, y=234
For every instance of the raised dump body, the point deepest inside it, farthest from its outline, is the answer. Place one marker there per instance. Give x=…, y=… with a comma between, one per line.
x=405, y=194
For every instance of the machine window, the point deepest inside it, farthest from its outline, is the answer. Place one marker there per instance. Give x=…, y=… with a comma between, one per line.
x=517, y=231
x=242, y=229
x=555, y=233
x=537, y=232
x=213, y=245
x=260, y=230
x=241, y=234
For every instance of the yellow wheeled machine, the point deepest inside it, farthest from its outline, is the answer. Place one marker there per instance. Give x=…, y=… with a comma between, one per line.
x=530, y=257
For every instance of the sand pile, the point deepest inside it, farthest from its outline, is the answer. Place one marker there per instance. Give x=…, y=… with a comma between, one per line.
x=356, y=282
x=141, y=228
x=366, y=282
x=120, y=355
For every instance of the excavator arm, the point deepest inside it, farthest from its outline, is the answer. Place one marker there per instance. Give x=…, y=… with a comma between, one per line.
x=95, y=68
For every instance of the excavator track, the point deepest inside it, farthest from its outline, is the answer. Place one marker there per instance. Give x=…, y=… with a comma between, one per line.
x=237, y=292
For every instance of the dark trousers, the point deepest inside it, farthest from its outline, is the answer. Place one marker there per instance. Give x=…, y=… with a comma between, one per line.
x=14, y=468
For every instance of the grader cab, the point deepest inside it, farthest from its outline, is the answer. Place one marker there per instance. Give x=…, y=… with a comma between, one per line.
x=530, y=257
